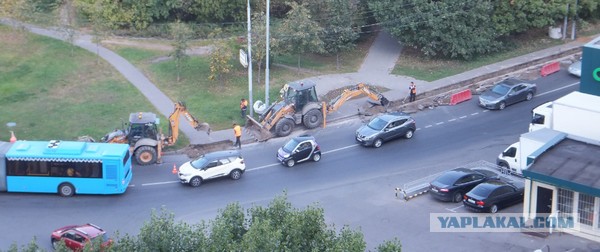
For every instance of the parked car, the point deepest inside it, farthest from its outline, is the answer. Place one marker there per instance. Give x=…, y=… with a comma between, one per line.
x=386, y=127
x=575, y=68
x=453, y=184
x=507, y=92
x=212, y=165
x=493, y=195
x=299, y=149
x=76, y=237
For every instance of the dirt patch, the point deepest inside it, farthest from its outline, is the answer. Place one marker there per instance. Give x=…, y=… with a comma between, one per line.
x=195, y=150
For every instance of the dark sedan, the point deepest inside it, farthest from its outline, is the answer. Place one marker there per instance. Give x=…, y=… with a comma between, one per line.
x=507, y=92
x=453, y=184
x=492, y=195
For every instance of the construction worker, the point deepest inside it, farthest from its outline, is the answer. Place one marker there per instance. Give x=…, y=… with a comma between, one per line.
x=237, y=130
x=413, y=91
x=243, y=107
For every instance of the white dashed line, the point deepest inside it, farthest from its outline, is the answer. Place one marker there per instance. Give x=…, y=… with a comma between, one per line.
x=452, y=120
x=440, y=123
x=160, y=183
x=462, y=117
x=428, y=126
x=476, y=113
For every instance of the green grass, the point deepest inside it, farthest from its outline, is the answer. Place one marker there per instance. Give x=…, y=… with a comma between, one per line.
x=411, y=63
x=53, y=91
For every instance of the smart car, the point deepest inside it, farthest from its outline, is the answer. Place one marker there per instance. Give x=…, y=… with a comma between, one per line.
x=507, y=92
x=299, y=149
x=384, y=128
x=492, y=195
x=76, y=237
x=212, y=165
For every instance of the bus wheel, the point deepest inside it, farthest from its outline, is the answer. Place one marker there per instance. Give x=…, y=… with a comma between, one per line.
x=66, y=190
x=145, y=155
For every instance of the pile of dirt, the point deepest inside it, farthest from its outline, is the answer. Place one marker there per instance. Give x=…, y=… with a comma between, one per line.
x=195, y=150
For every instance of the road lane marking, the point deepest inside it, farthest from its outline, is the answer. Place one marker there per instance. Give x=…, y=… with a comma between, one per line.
x=440, y=123
x=428, y=126
x=560, y=88
x=161, y=183
x=462, y=117
x=262, y=167
x=476, y=113
x=452, y=120
x=454, y=209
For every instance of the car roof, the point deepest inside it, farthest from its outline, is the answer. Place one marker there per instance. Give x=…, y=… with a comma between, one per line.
x=511, y=82
x=391, y=116
x=222, y=154
x=142, y=117
x=494, y=184
x=303, y=138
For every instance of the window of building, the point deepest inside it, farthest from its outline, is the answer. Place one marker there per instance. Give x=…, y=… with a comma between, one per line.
x=586, y=209
x=565, y=202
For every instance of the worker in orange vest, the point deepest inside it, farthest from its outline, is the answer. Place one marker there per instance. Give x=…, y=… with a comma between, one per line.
x=413, y=91
x=237, y=130
x=243, y=107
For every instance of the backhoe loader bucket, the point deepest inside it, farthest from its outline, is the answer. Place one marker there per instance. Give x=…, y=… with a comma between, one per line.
x=203, y=127
x=257, y=130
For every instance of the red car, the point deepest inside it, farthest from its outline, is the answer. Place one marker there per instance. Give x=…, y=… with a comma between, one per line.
x=76, y=237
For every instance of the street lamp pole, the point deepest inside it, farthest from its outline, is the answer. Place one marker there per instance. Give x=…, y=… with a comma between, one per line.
x=250, y=61
x=267, y=61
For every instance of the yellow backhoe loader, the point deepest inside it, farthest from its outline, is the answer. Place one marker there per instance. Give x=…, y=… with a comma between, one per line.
x=299, y=104
x=146, y=139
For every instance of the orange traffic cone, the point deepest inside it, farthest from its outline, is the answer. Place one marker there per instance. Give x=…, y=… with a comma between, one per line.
x=174, y=171
x=13, y=138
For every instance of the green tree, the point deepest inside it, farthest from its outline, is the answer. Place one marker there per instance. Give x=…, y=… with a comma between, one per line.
x=340, y=30
x=220, y=63
x=259, y=42
x=181, y=34
x=454, y=29
x=299, y=33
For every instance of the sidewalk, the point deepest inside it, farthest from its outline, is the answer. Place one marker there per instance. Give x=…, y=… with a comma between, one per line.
x=374, y=70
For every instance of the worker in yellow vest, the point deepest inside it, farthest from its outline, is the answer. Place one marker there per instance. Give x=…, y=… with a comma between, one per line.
x=237, y=130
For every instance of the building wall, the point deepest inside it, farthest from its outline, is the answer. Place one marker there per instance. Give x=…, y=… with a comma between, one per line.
x=564, y=202
x=590, y=68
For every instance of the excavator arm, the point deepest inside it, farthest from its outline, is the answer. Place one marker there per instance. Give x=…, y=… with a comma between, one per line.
x=181, y=109
x=350, y=93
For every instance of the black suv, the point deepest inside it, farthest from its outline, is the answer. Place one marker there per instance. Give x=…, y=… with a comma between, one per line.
x=386, y=127
x=299, y=149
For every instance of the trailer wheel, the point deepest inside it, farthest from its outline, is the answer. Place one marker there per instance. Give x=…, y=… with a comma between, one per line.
x=313, y=118
x=145, y=155
x=284, y=127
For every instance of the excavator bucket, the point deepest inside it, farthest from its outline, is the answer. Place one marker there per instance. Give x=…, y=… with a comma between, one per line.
x=257, y=130
x=203, y=127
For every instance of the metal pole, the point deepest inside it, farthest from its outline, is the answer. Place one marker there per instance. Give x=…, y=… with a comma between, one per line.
x=564, y=35
x=574, y=21
x=267, y=62
x=250, y=62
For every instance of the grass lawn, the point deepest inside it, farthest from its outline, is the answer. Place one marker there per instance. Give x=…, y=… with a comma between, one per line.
x=52, y=90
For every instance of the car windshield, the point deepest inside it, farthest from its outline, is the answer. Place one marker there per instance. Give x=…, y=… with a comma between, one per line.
x=377, y=124
x=199, y=163
x=290, y=146
x=500, y=89
x=447, y=178
x=481, y=191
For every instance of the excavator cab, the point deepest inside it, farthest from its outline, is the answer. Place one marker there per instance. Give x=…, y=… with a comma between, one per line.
x=300, y=94
x=142, y=125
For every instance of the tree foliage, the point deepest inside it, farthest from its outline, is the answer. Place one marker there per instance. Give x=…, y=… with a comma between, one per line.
x=181, y=34
x=341, y=28
x=220, y=63
x=299, y=33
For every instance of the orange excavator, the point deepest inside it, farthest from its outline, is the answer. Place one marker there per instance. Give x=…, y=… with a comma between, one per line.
x=146, y=139
x=299, y=104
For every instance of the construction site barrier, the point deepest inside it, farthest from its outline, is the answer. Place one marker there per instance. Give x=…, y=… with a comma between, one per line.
x=550, y=69
x=460, y=97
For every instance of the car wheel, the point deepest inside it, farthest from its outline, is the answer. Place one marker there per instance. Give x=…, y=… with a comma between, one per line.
x=54, y=243
x=313, y=118
x=502, y=105
x=457, y=197
x=284, y=127
x=66, y=190
x=290, y=163
x=529, y=96
x=317, y=157
x=494, y=209
x=145, y=155
x=195, y=181
x=378, y=142
x=235, y=174
x=409, y=134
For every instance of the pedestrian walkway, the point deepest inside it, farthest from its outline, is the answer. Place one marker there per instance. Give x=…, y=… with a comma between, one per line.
x=375, y=69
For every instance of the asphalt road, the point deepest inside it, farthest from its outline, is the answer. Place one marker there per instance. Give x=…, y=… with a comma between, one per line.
x=354, y=184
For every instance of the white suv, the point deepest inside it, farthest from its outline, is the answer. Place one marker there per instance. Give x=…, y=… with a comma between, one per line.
x=212, y=165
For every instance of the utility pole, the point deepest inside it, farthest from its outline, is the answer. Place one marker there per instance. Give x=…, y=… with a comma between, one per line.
x=267, y=61
x=574, y=21
x=250, y=62
x=564, y=35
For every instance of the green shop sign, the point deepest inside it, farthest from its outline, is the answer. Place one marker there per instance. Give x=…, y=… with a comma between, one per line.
x=596, y=74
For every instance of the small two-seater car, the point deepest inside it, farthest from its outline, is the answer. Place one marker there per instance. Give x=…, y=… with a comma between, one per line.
x=299, y=149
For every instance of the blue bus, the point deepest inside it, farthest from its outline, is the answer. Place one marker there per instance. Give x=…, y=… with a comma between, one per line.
x=64, y=167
